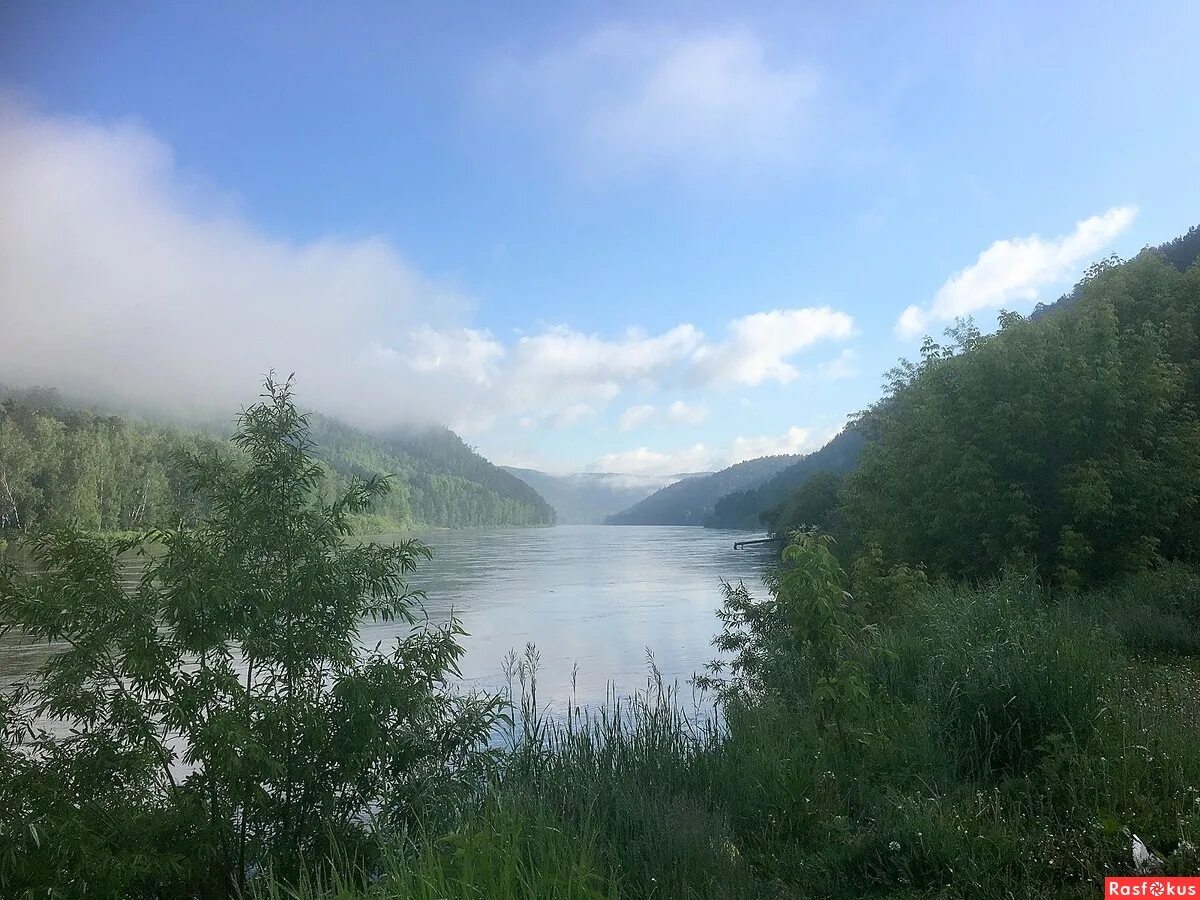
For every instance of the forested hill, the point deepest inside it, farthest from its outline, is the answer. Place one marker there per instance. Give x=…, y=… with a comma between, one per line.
x=65, y=465
x=790, y=500
x=1069, y=442
x=440, y=481
x=691, y=501
x=747, y=508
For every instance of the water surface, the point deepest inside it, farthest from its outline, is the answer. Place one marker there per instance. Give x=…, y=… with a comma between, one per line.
x=594, y=599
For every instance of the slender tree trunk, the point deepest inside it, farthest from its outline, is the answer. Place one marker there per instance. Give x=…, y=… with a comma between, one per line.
x=241, y=872
x=12, y=501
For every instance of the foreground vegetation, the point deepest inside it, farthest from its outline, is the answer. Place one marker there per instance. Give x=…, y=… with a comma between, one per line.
x=987, y=742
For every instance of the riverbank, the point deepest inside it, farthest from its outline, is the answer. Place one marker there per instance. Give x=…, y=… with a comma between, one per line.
x=1006, y=742
x=987, y=741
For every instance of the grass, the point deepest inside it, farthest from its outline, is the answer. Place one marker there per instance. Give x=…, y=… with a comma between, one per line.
x=1012, y=743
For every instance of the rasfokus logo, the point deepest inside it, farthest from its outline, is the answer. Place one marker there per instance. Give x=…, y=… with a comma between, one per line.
x=1151, y=886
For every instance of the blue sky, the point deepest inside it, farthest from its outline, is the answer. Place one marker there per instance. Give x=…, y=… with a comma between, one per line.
x=588, y=237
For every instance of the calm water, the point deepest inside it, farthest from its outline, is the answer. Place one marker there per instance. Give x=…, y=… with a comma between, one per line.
x=594, y=598
x=589, y=596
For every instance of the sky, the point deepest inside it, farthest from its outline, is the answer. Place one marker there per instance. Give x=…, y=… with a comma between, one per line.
x=588, y=237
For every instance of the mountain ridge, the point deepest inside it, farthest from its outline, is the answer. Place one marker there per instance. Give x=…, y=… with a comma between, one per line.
x=690, y=502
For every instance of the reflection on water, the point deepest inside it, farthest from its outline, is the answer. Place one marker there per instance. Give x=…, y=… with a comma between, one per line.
x=589, y=596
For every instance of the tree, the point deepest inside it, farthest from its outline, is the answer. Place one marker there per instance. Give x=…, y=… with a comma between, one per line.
x=17, y=467
x=228, y=695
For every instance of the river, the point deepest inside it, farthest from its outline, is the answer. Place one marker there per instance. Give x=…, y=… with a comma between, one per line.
x=593, y=599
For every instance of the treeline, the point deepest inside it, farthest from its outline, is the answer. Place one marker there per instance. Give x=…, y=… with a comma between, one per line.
x=61, y=465
x=1067, y=442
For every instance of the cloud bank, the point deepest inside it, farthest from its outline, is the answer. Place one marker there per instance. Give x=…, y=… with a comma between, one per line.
x=678, y=413
x=1015, y=270
x=118, y=281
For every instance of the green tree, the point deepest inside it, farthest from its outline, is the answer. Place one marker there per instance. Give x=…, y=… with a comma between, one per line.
x=227, y=701
x=18, y=465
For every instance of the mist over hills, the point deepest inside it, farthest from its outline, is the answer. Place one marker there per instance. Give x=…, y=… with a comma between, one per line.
x=65, y=463
x=587, y=498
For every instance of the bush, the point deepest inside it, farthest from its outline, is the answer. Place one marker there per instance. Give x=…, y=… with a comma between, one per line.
x=1010, y=672
x=1157, y=611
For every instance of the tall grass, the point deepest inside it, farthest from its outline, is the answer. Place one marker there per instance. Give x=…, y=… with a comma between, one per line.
x=1011, y=744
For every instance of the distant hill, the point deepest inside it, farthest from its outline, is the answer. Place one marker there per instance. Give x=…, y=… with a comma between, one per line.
x=586, y=498
x=440, y=481
x=69, y=464
x=691, y=501
x=745, y=508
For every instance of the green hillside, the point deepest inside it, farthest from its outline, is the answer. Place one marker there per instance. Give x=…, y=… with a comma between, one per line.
x=1068, y=441
x=691, y=501
x=61, y=464
x=750, y=508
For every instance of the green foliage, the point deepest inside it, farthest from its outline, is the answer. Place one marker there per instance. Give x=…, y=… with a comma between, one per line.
x=1002, y=744
x=62, y=467
x=1069, y=443
x=886, y=588
x=225, y=705
x=439, y=480
x=1155, y=612
x=812, y=505
x=66, y=467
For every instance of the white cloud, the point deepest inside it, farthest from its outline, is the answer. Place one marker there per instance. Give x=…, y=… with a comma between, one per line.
x=114, y=283
x=703, y=458
x=760, y=344
x=560, y=369
x=912, y=322
x=117, y=280
x=1016, y=270
x=466, y=352
x=636, y=416
x=561, y=362
x=794, y=440
x=644, y=461
x=680, y=413
x=572, y=414
x=628, y=99
x=841, y=366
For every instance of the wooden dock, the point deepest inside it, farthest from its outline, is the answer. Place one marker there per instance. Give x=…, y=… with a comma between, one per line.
x=742, y=545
